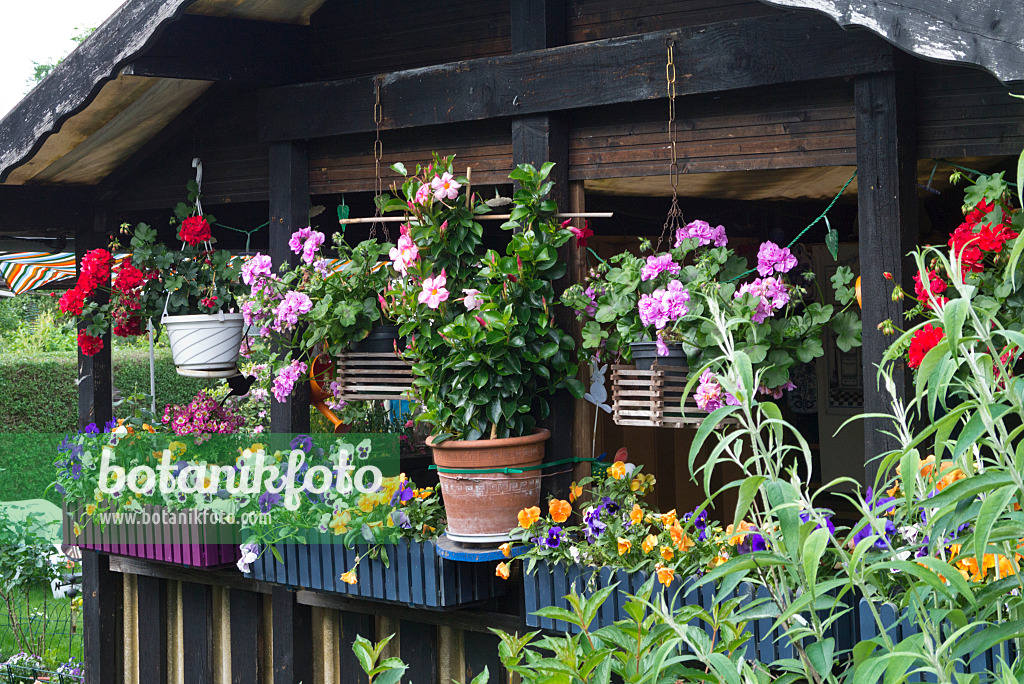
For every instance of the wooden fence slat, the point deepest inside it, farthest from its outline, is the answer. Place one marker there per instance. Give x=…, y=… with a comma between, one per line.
x=197, y=618
x=152, y=628
x=247, y=638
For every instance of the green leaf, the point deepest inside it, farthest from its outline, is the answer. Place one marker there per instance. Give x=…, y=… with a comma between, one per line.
x=748, y=490
x=399, y=168
x=954, y=314
x=813, y=550
x=994, y=505
x=975, y=428
x=832, y=240
x=820, y=654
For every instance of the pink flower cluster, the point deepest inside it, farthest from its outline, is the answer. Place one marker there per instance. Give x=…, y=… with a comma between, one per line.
x=777, y=392
x=286, y=314
x=709, y=394
x=665, y=305
x=256, y=270
x=202, y=416
x=774, y=259
x=657, y=265
x=773, y=295
x=405, y=252
x=704, y=234
x=434, y=291
x=286, y=378
x=306, y=242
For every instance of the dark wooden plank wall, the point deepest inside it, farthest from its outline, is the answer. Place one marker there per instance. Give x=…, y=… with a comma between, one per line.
x=596, y=19
x=223, y=133
x=346, y=164
x=346, y=35
x=778, y=128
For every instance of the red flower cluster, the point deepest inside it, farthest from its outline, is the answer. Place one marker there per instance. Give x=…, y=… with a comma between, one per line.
x=936, y=286
x=194, y=230
x=128, y=278
x=95, y=271
x=72, y=302
x=923, y=342
x=971, y=240
x=89, y=344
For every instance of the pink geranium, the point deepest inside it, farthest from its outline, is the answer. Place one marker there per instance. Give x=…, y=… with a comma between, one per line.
x=774, y=259
x=306, y=241
x=255, y=269
x=445, y=186
x=434, y=291
x=657, y=265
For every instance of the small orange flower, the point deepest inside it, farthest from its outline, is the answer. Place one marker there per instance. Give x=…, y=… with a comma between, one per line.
x=667, y=553
x=685, y=544
x=501, y=571
x=717, y=560
x=559, y=510
x=575, y=492
x=528, y=516
x=349, y=577
x=950, y=477
x=148, y=428
x=665, y=575
x=506, y=549
x=676, y=532
x=649, y=543
x=624, y=546
x=668, y=519
x=617, y=470
x=636, y=515
x=741, y=533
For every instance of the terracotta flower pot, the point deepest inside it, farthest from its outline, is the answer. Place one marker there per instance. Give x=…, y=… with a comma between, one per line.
x=482, y=507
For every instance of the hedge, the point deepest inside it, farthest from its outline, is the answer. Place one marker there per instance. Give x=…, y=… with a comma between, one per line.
x=39, y=404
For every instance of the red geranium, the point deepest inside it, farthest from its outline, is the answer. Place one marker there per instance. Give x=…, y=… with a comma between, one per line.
x=194, y=230
x=72, y=302
x=923, y=342
x=936, y=286
x=128, y=278
x=89, y=344
x=128, y=327
x=95, y=270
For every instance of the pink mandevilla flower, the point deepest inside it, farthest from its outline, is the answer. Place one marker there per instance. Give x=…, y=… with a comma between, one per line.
x=472, y=300
x=405, y=253
x=434, y=291
x=445, y=186
x=423, y=194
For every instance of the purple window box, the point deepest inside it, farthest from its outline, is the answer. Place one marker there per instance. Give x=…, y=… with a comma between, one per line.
x=157, y=533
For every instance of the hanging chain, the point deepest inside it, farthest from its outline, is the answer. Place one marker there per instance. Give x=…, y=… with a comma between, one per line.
x=674, y=220
x=378, y=153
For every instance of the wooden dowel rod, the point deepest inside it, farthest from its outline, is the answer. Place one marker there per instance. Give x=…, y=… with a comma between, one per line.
x=482, y=217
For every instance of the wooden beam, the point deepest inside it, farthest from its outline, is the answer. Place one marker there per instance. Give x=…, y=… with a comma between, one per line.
x=289, y=211
x=224, y=578
x=724, y=56
x=35, y=211
x=206, y=48
x=293, y=639
x=102, y=605
x=152, y=628
x=887, y=206
x=76, y=80
x=95, y=379
x=987, y=33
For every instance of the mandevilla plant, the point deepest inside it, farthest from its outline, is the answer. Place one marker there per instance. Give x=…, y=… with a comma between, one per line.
x=479, y=325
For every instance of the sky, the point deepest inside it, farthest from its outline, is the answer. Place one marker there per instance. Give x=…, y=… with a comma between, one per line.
x=41, y=31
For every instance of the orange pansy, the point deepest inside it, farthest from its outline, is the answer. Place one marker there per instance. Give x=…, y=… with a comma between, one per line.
x=575, y=492
x=559, y=510
x=665, y=575
x=501, y=571
x=617, y=471
x=624, y=546
x=528, y=516
x=649, y=543
x=636, y=515
x=667, y=553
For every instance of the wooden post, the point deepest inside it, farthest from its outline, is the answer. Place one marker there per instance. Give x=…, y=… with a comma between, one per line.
x=293, y=639
x=887, y=206
x=95, y=387
x=247, y=637
x=418, y=649
x=353, y=625
x=152, y=627
x=538, y=138
x=289, y=211
x=197, y=637
x=102, y=606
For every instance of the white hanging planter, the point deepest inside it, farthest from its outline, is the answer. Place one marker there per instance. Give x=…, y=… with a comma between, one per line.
x=205, y=345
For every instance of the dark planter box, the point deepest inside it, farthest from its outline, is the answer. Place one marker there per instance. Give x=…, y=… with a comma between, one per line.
x=550, y=583
x=416, y=575
x=152, y=536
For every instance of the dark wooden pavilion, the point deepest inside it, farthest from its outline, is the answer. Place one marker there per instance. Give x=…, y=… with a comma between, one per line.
x=778, y=103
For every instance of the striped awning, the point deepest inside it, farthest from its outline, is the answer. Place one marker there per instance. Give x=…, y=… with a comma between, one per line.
x=26, y=271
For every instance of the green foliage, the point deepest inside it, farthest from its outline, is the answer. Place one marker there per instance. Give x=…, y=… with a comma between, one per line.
x=25, y=551
x=485, y=350
x=378, y=670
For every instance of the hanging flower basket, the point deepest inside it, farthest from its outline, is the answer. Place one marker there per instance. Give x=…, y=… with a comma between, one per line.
x=205, y=345
x=415, y=575
x=156, y=533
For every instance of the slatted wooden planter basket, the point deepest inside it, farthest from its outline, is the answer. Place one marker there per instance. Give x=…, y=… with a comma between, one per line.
x=373, y=375
x=550, y=583
x=651, y=398
x=415, y=576
x=154, y=535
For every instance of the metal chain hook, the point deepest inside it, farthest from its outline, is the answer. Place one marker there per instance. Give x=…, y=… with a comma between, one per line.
x=674, y=219
x=378, y=154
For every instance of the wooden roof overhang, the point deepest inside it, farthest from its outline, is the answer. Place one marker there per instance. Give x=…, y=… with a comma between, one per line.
x=153, y=58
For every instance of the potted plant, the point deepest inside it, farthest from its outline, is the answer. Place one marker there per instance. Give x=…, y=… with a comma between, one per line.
x=656, y=306
x=319, y=306
x=481, y=338
x=193, y=290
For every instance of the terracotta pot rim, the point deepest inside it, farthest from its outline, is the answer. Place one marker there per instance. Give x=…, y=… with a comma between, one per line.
x=538, y=435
